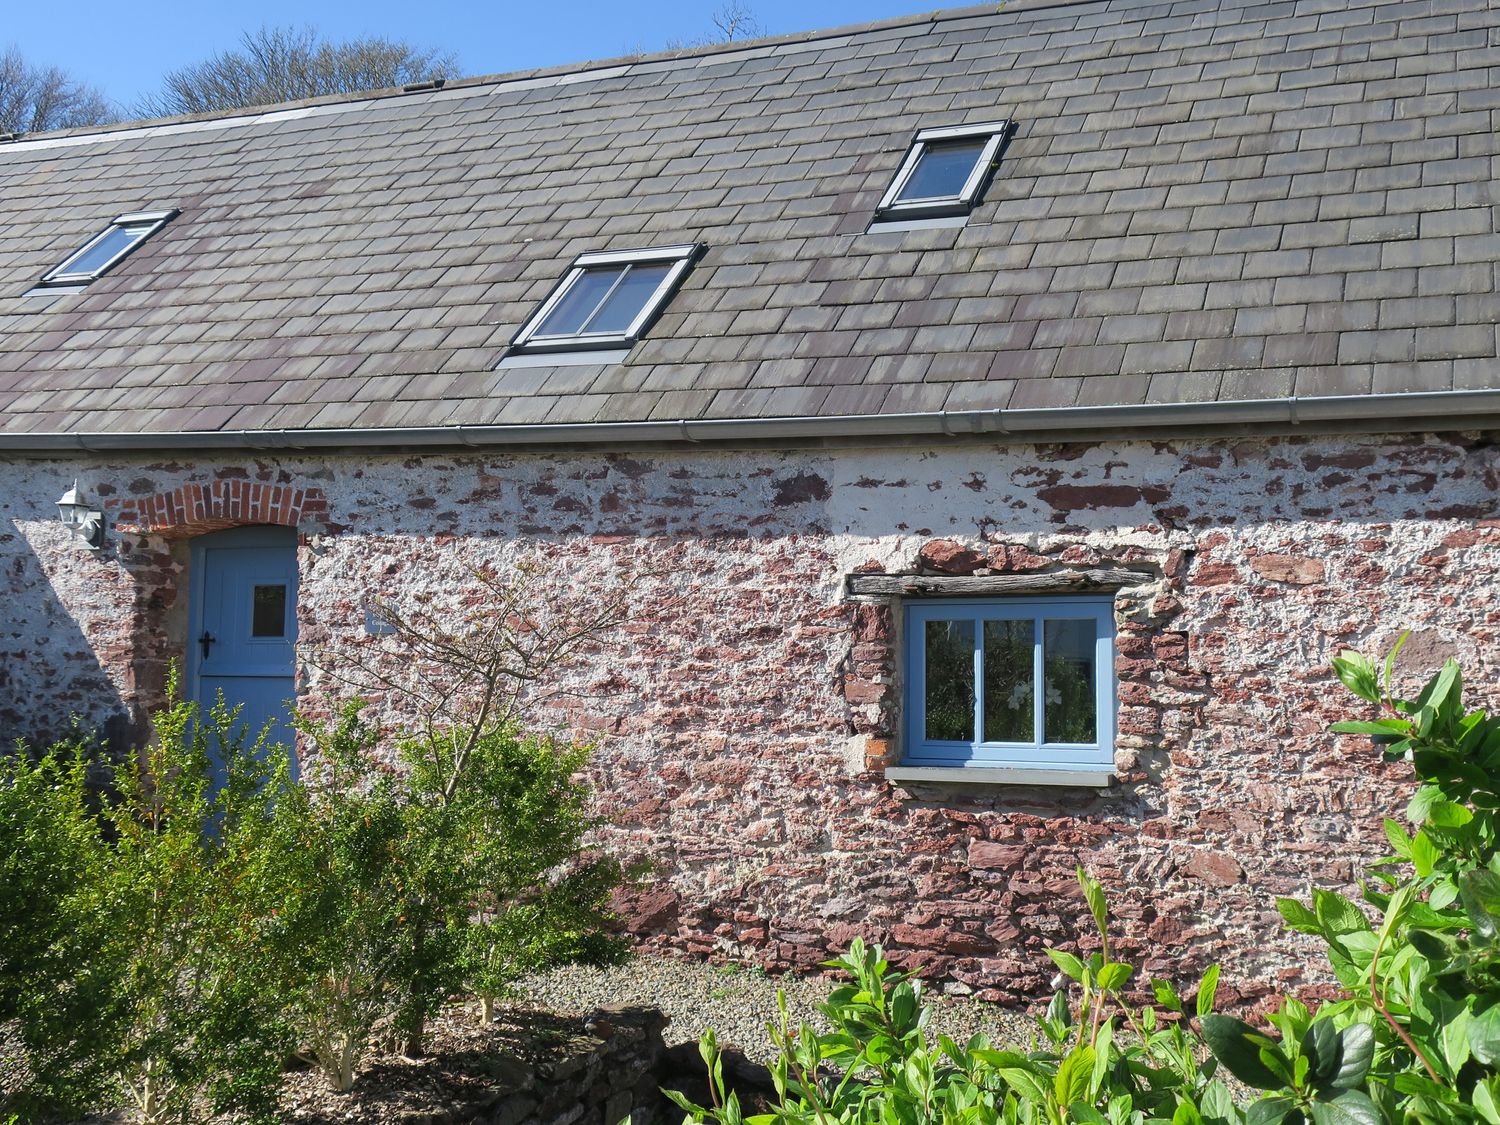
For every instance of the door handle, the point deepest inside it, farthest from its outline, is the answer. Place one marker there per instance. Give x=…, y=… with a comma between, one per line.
x=206, y=641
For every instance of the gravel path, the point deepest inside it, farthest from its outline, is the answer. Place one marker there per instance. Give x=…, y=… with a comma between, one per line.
x=737, y=1002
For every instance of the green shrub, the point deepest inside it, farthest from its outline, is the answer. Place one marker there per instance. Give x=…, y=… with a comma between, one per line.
x=52, y=856
x=1415, y=1035
x=1099, y=1060
x=148, y=967
x=442, y=878
x=539, y=899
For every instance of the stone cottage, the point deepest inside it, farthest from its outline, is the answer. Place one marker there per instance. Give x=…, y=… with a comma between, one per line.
x=1000, y=416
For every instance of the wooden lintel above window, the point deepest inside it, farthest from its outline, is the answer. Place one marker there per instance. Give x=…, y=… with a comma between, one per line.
x=992, y=585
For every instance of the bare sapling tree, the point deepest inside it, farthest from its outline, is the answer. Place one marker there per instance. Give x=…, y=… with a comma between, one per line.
x=282, y=64
x=477, y=662
x=34, y=99
x=732, y=22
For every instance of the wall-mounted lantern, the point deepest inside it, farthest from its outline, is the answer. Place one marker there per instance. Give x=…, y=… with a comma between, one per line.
x=85, y=521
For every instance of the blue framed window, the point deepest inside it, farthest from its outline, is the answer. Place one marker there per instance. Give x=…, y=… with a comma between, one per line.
x=1025, y=683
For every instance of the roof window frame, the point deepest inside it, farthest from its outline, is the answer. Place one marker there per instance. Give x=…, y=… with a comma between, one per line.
x=892, y=208
x=527, y=341
x=149, y=221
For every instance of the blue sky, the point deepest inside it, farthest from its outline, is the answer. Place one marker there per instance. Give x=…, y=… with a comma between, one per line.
x=124, y=46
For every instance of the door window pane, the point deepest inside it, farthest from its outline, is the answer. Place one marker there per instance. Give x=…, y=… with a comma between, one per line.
x=268, y=611
x=950, y=681
x=1068, y=660
x=1008, y=696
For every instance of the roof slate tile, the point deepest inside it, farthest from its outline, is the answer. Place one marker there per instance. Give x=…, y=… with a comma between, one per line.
x=1298, y=195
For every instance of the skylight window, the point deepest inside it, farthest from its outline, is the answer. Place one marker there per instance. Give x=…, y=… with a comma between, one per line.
x=106, y=249
x=944, y=172
x=607, y=299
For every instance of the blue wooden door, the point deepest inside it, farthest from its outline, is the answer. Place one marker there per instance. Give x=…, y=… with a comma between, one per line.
x=243, y=625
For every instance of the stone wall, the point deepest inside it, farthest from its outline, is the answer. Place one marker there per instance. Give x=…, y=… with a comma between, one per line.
x=745, y=707
x=603, y=1077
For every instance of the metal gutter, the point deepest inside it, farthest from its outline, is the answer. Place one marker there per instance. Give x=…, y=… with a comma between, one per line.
x=1373, y=413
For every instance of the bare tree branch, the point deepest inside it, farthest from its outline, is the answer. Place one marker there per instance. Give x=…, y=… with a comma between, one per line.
x=283, y=64
x=733, y=21
x=460, y=666
x=34, y=99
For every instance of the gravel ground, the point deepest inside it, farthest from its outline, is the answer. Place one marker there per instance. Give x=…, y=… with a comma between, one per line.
x=737, y=1002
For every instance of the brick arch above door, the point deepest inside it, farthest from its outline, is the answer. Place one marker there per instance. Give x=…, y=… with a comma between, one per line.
x=194, y=509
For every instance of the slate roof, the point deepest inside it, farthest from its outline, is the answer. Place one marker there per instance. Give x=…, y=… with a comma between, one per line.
x=1205, y=200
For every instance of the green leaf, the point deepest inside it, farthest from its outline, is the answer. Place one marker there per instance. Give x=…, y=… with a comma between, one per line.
x=1356, y=1053
x=1424, y=854
x=1115, y=976
x=1390, y=660
x=1480, y=892
x=1486, y=1099
x=1374, y=727
x=1027, y=1085
x=1208, y=990
x=1094, y=893
x=903, y=1007
x=1484, y=1036
x=1166, y=995
x=1448, y=814
x=1398, y=839
x=1238, y=1045
x=1069, y=964
x=1350, y=1107
x=1269, y=1111
x=1443, y=689
x=1455, y=1040
x=1358, y=675
x=1298, y=916
x=1320, y=1047
x=1187, y=1114
x=1337, y=914
x=1071, y=1083
x=1217, y=1104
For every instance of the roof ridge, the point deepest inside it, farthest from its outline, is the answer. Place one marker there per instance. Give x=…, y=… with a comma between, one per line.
x=583, y=70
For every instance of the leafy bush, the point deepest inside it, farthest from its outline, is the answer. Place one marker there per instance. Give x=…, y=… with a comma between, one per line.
x=434, y=881
x=51, y=992
x=173, y=945
x=1102, y=1060
x=141, y=965
x=1415, y=1035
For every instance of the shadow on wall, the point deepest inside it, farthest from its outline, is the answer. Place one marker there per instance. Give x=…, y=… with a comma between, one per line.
x=51, y=675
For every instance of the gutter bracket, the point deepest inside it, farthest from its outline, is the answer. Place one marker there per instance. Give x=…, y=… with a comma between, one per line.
x=1291, y=406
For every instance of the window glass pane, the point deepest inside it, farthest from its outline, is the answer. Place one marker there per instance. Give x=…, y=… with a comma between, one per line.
x=950, y=681
x=579, y=303
x=943, y=169
x=98, y=255
x=1068, y=658
x=627, y=301
x=268, y=612
x=1008, y=699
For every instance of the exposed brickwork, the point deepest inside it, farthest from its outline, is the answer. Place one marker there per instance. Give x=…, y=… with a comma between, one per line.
x=744, y=710
x=198, y=508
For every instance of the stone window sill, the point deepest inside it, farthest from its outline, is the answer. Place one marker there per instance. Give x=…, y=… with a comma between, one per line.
x=1077, y=777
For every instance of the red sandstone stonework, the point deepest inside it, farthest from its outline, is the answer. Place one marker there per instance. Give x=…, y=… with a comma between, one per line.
x=1291, y=569
x=745, y=712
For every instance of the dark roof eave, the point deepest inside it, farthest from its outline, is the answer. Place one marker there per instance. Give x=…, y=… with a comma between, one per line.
x=1446, y=410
